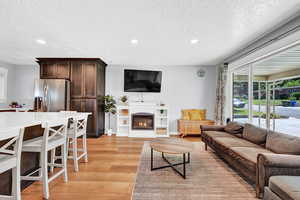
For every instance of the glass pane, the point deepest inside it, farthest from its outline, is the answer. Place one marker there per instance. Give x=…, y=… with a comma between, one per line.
x=240, y=95
x=285, y=111
x=259, y=108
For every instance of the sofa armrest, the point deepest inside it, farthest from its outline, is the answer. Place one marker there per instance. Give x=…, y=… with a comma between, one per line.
x=212, y=128
x=271, y=164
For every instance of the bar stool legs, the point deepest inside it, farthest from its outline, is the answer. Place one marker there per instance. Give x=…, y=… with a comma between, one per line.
x=85, y=148
x=55, y=136
x=11, y=159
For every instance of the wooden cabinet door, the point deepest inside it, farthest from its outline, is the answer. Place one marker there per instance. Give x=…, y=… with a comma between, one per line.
x=90, y=105
x=63, y=70
x=77, y=105
x=48, y=70
x=90, y=78
x=77, y=86
x=100, y=81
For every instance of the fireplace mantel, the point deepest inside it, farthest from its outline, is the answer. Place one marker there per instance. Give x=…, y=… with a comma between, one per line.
x=160, y=118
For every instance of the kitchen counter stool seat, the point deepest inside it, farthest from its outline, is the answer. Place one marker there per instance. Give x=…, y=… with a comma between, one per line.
x=55, y=135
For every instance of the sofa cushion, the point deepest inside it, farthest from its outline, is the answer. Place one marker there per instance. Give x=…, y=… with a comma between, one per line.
x=214, y=134
x=255, y=134
x=234, y=128
x=283, y=143
x=234, y=142
x=250, y=153
x=286, y=187
x=247, y=155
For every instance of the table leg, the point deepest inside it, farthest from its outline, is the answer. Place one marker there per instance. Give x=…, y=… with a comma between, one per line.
x=184, y=161
x=151, y=159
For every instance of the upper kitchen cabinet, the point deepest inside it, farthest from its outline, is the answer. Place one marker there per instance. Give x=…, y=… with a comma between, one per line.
x=87, y=78
x=54, y=68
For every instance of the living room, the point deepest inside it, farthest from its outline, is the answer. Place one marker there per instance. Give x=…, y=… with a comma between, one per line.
x=150, y=99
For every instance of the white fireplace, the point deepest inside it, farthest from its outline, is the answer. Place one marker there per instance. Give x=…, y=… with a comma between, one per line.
x=142, y=120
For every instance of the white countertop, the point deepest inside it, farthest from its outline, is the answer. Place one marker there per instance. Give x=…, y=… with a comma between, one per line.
x=12, y=120
x=19, y=109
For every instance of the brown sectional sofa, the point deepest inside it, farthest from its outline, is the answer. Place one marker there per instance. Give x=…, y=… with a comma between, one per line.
x=256, y=153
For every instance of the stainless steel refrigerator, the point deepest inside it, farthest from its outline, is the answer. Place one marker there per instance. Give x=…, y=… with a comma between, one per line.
x=52, y=95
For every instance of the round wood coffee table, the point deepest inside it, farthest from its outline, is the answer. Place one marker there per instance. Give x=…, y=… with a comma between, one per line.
x=172, y=146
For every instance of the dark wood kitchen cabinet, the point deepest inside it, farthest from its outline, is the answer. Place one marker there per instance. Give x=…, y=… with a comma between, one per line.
x=87, y=76
x=54, y=69
x=94, y=106
x=85, y=79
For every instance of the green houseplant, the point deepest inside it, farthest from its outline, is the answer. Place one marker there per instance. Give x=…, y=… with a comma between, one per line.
x=124, y=99
x=109, y=108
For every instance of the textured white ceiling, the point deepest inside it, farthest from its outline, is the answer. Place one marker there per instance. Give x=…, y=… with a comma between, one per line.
x=164, y=28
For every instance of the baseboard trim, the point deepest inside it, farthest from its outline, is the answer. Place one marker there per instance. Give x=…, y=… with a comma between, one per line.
x=174, y=133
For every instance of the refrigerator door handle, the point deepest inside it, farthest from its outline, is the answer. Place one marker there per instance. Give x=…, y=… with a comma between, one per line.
x=49, y=102
x=46, y=97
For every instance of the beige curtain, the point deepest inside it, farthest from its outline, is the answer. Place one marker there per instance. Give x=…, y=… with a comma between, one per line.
x=220, y=94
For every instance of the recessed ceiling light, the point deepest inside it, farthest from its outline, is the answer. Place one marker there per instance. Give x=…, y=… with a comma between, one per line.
x=40, y=41
x=194, y=41
x=134, y=41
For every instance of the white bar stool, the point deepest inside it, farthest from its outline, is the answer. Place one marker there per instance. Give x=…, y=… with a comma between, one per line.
x=55, y=135
x=77, y=129
x=11, y=159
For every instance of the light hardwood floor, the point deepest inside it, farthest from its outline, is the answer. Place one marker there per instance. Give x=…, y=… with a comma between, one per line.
x=109, y=174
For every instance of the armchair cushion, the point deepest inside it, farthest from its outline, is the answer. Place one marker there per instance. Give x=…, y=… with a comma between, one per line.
x=193, y=114
x=234, y=128
x=280, y=160
x=283, y=143
x=197, y=114
x=185, y=114
x=286, y=187
x=270, y=164
x=255, y=134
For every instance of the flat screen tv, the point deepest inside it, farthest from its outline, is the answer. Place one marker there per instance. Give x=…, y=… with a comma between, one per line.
x=142, y=81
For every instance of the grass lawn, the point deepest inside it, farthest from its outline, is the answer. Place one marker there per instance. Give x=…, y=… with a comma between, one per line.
x=278, y=102
x=243, y=111
x=264, y=102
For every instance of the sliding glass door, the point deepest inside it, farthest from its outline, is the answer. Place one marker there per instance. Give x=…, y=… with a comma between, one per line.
x=267, y=93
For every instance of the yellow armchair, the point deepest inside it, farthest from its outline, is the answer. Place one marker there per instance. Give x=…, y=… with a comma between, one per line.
x=190, y=122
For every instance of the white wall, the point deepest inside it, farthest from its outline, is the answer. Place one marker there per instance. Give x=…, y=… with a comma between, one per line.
x=10, y=83
x=20, y=83
x=181, y=89
x=24, y=86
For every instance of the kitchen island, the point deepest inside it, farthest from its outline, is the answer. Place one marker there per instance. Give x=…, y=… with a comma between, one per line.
x=34, y=123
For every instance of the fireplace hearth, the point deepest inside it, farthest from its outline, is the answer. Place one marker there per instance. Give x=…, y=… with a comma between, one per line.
x=142, y=121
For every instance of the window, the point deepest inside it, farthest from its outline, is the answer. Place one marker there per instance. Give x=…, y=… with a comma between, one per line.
x=3, y=85
x=240, y=95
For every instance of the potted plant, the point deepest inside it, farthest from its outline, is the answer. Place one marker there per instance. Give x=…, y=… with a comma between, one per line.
x=110, y=108
x=124, y=99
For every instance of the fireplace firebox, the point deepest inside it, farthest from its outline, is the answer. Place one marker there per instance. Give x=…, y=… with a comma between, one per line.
x=142, y=121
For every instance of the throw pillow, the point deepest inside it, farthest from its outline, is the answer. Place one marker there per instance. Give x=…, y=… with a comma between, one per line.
x=283, y=143
x=195, y=115
x=234, y=128
x=185, y=114
x=255, y=134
